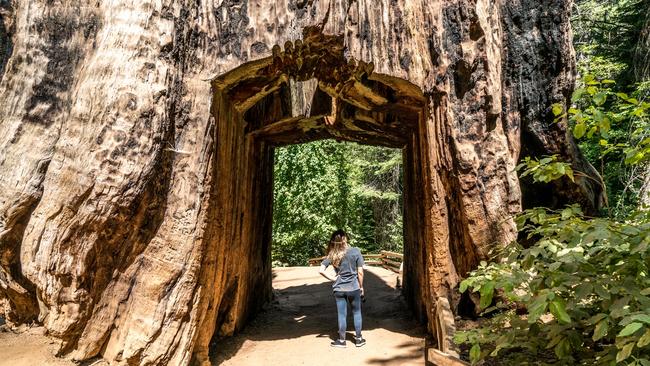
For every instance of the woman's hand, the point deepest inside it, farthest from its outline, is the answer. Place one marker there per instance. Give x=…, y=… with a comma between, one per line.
x=325, y=274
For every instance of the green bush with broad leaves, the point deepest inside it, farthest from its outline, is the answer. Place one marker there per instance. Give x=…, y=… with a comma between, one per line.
x=544, y=170
x=612, y=128
x=598, y=112
x=585, y=287
x=578, y=293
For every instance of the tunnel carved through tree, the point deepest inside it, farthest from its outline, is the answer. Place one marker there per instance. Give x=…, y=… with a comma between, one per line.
x=253, y=112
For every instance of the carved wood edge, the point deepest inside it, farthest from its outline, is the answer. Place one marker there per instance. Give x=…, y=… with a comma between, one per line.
x=445, y=327
x=439, y=358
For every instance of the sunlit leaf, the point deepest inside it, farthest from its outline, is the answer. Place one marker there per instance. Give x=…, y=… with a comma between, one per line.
x=630, y=329
x=644, y=340
x=579, y=130
x=475, y=353
x=463, y=286
x=487, y=291
x=601, y=329
x=600, y=98
x=558, y=309
x=625, y=352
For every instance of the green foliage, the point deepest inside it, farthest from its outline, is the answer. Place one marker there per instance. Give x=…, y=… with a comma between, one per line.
x=602, y=114
x=301, y=223
x=325, y=185
x=584, y=283
x=585, y=286
x=546, y=169
x=608, y=38
x=613, y=130
x=606, y=34
x=376, y=180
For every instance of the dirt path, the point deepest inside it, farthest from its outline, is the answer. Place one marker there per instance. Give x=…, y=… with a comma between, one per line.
x=295, y=330
x=30, y=347
x=298, y=327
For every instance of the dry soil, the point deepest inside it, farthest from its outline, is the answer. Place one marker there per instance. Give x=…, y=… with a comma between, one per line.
x=298, y=326
x=295, y=329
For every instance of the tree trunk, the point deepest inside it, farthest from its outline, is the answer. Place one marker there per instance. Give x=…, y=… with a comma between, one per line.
x=135, y=198
x=644, y=191
x=641, y=74
x=641, y=61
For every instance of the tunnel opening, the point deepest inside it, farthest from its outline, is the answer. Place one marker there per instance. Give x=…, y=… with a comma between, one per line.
x=326, y=185
x=347, y=185
x=311, y=92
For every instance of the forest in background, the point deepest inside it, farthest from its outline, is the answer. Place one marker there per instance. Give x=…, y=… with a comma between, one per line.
x=325, y=185
x=613, y=55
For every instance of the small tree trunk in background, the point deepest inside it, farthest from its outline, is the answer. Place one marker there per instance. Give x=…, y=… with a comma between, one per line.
x=642, y=73
x=644, y=200
x=641, y=60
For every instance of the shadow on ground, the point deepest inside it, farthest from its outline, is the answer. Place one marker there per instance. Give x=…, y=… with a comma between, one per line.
x=309, y=309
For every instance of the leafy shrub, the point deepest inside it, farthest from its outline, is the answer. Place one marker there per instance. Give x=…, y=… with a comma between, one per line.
x=603, y=114
x=585, y=286
x=612, y=128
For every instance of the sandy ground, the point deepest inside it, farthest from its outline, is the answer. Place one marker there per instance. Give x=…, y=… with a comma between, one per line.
x=298, y=327
x=26, y=347
x=30, y=347
x=295, y=329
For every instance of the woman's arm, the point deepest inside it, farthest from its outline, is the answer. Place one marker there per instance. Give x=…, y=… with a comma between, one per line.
x=360, y=277
x=325, y=274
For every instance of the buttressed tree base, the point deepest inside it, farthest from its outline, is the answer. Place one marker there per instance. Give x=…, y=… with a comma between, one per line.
x=136, y=150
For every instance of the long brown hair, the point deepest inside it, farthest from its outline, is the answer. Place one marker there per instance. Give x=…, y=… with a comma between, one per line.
x=337, y=247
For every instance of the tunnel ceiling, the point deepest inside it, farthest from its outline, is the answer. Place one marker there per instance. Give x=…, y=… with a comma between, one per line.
x=348, y=101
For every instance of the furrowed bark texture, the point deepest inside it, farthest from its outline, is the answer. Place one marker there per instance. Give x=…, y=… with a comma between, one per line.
x=136, y=149
x=539, y=62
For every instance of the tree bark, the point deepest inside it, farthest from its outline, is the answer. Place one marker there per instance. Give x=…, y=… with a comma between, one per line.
x=641, y=61
x=124, y=223
x=642, y=73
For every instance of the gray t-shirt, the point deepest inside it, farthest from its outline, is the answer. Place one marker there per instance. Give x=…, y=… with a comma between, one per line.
x=348, y=279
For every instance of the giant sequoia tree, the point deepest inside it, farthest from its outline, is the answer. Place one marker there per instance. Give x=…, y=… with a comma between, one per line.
x=134, y=192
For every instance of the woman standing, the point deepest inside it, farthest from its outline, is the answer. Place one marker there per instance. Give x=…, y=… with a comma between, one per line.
x=348, y=283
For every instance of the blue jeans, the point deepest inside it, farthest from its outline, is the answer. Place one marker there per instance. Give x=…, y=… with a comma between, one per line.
x=342, y=299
